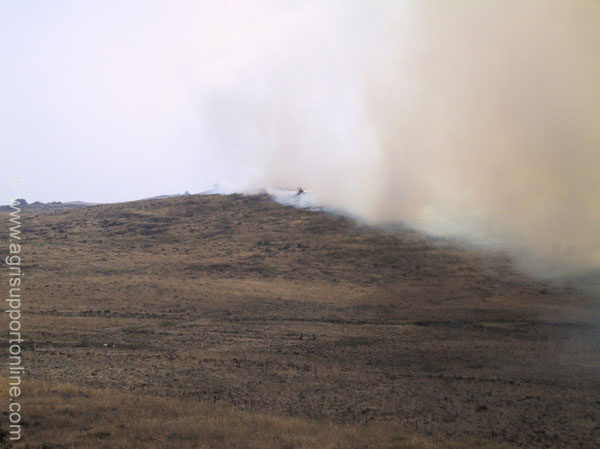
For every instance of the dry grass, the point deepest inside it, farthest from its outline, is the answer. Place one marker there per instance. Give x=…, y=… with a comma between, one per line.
x=286, y=312
x=71, y=417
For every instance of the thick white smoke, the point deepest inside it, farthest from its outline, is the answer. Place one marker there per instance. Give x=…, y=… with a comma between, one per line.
x=477, y=118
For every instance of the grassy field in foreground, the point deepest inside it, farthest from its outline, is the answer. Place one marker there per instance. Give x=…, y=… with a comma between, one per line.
x=237, y=301
x=68, y=416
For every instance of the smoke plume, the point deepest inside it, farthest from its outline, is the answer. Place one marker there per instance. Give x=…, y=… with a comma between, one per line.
x=470, y=118
x=473, y=118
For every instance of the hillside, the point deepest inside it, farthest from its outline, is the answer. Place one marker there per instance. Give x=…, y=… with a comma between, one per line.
x=236, y=300
x=38, y=207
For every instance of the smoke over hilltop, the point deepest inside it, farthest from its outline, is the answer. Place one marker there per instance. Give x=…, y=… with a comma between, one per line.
x=471, y=117
x=476, y=118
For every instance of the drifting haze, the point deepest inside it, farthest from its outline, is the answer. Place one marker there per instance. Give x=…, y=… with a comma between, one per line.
x=475, y=118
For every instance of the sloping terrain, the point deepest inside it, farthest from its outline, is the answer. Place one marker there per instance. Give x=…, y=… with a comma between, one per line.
x=38, y=207
x=66, y=416
x=238, y=300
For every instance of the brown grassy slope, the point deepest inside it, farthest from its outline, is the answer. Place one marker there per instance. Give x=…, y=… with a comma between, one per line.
x=68, y=416
x=292, y=312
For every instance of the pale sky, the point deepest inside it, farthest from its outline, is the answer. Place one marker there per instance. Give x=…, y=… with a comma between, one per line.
x=107, y=101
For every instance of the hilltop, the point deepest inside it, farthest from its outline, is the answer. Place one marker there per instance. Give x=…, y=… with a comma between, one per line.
x=53, y=206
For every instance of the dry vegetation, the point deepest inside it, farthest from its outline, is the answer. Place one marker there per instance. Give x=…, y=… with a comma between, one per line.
x=68, y=416
x=278, y=327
